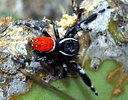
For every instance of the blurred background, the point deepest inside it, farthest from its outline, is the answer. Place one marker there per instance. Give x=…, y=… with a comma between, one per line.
x=36, y=9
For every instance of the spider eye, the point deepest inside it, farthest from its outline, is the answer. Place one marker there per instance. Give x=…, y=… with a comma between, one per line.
x=69, y=46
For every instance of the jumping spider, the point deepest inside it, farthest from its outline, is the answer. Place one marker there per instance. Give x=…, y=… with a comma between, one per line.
x=63, y=48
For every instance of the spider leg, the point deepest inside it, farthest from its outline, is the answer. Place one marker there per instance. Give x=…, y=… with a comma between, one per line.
x=73, y=6
x=83, y=24
x=35, y=27
x=64, y=71
x=92, y=17
x=56, y=32
x=83, y=75
x=77, y=11
x=42, y=59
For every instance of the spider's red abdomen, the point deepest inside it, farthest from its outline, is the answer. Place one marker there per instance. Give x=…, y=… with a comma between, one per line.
x=43, y=44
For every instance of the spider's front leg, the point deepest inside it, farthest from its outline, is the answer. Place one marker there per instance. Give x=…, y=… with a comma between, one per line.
x=83, y=25
x=83, y=75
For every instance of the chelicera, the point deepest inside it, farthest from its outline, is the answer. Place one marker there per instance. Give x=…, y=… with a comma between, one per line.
x=63, y=48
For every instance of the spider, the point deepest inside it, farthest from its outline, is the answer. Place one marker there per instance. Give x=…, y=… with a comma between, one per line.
x=63, y=48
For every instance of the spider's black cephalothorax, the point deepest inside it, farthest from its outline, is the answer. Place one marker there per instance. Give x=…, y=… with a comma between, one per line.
x=67, y=47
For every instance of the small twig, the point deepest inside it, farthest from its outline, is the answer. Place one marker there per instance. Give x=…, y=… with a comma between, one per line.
x=43, y=83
